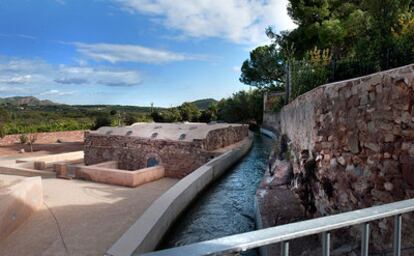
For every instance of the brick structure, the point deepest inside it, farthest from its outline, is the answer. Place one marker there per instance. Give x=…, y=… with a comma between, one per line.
x=352, y=145
x=180, y=148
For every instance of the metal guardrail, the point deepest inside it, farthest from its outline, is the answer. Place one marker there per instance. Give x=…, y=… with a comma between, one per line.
x=282, y=234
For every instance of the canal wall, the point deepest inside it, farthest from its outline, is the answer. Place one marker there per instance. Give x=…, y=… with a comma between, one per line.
x=145, y=234
x=352, y=145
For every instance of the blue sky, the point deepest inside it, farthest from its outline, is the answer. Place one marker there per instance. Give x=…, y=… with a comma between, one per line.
x=130, y=52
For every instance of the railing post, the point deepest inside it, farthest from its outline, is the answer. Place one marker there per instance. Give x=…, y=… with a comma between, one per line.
x=365, y=239
x=397, y=235
x=326, y=242
x=284, y=248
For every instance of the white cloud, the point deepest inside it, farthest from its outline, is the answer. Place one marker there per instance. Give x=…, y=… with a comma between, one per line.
x=26, y=73
x=239, y=21
x=24, y=36
x=19, y=79
x=11, y=89
x=129, y=53
x=68, y=80
x=55, y=92
x=102, y=76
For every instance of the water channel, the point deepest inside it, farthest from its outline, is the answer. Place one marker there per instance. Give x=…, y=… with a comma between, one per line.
x=227, y=206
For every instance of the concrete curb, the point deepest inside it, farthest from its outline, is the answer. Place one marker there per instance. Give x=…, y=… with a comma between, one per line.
x=146, y=233
x=268, y=133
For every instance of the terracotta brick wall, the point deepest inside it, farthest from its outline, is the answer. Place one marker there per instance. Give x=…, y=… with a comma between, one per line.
x=46, y=137
x=360, y=136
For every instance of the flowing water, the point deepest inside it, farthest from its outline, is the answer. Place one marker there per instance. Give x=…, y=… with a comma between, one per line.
x=227, y=206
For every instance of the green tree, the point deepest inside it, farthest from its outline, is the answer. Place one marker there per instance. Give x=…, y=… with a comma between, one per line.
x=264, y=68
x=113, y=112
x=242, y=107
x=102, y=120
x=129, y=119
x=4, y=117
x=189, y=112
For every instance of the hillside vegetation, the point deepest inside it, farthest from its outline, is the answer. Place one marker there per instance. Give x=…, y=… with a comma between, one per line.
x=28, y=114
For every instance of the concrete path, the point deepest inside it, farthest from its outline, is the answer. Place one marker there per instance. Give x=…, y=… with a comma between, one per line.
x=81, y=218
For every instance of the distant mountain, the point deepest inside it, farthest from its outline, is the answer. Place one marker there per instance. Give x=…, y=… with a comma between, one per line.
x=26, y=100
x=204, y=103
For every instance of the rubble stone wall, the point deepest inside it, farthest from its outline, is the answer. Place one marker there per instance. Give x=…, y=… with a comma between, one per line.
x=359, y=134
x=132, y=153
x=179, y=158
x=220, y=138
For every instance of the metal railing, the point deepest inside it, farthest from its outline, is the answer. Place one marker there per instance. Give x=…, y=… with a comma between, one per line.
x=282, y=234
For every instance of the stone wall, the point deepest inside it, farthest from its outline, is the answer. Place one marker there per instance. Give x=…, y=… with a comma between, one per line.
x=178, y=157
x=220, y=138
x=352, y=145
x=46, y=137
x=132, y=153
x=271, y=121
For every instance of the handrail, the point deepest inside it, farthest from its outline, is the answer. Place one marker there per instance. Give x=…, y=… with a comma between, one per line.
x=284, y=233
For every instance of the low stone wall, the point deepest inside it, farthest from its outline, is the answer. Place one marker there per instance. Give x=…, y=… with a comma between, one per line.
x=18, y=201
x=221, y=138
x=353, y=144
x=46, y=137
x=145, y=234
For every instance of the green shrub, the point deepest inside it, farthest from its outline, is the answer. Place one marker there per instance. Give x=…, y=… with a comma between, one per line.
x=23, y=139
x=102, y=121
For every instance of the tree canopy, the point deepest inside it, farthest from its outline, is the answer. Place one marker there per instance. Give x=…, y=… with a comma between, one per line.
x=264, y=69
x=379, y=34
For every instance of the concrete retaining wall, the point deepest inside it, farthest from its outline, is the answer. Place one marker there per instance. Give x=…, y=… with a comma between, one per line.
x=271, y=121
x=18, y=201
x=109, y=175
x=71, y=156
x=147, y=232
x=268, y=133
x=26, y=170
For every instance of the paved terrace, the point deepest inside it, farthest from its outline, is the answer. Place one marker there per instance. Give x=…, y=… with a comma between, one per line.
x=90, y=217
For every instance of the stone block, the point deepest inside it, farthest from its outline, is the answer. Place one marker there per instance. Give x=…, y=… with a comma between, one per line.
x=40, y=165
x=408, y=173
x=389, y=137
x=353, y=142
x=408, y=133
x=61, y=169
x=373, y=146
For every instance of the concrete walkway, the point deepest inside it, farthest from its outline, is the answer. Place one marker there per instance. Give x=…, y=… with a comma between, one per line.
x=81, y=218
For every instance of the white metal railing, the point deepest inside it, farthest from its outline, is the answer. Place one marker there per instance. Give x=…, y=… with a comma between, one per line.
x=282, y=234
